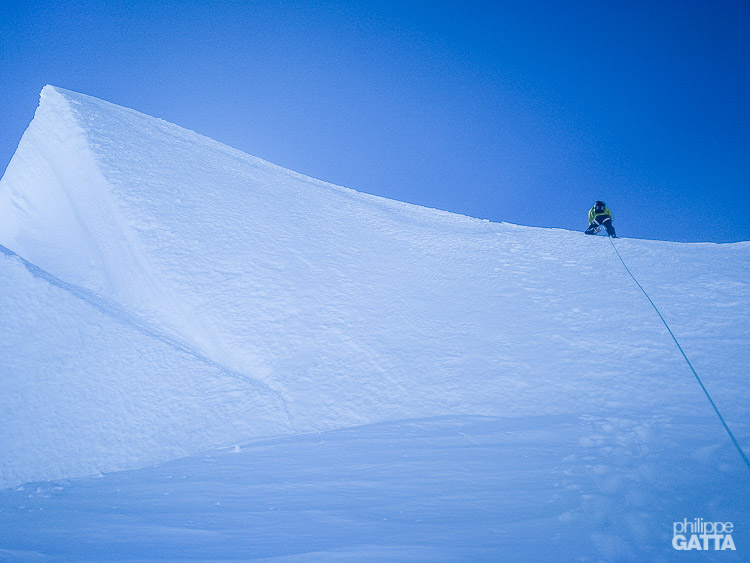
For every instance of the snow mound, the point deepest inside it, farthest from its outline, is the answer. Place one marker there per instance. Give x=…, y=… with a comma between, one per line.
x=325, y=307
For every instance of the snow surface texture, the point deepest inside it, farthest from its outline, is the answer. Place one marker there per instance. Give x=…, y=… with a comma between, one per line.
x=547, y=488
x=163, y=294
x=89, y=388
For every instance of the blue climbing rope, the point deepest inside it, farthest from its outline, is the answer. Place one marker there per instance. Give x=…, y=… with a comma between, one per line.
x=705, y=391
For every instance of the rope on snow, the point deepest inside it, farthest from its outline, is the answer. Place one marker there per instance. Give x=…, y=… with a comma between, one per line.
x=705, y=391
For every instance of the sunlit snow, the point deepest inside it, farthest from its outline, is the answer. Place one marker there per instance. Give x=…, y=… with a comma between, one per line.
x=206, y=356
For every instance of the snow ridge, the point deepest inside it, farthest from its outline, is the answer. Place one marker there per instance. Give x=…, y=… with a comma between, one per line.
x=91, y=387
x=144, y=325
x=236, y=300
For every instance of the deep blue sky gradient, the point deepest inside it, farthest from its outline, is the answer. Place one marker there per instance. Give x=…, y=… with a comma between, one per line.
x=512, y=111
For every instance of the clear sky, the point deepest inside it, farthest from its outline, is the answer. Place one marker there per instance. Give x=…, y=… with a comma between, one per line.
x=523, y=111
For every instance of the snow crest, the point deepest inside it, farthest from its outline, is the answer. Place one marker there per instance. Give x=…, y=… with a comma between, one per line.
x=255, y=289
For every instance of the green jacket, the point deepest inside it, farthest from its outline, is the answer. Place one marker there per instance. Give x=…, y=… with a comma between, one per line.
x=593, y=215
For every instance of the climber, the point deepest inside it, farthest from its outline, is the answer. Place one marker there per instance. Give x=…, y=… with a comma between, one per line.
x=600, y=216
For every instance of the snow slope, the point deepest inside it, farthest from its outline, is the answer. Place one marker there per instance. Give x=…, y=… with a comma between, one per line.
x=222, y=298
x=89, y=388
x=548, y=488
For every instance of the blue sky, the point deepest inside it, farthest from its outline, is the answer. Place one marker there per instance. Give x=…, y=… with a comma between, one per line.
x=524, y=112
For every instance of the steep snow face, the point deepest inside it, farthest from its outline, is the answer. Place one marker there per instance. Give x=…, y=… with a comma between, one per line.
x=88, y=388
x=57, y=207
x=353, y=309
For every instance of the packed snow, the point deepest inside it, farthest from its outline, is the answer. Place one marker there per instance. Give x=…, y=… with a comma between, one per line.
x=382, y=380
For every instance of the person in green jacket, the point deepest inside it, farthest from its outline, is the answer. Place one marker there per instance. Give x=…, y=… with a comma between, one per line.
x=600, y=216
